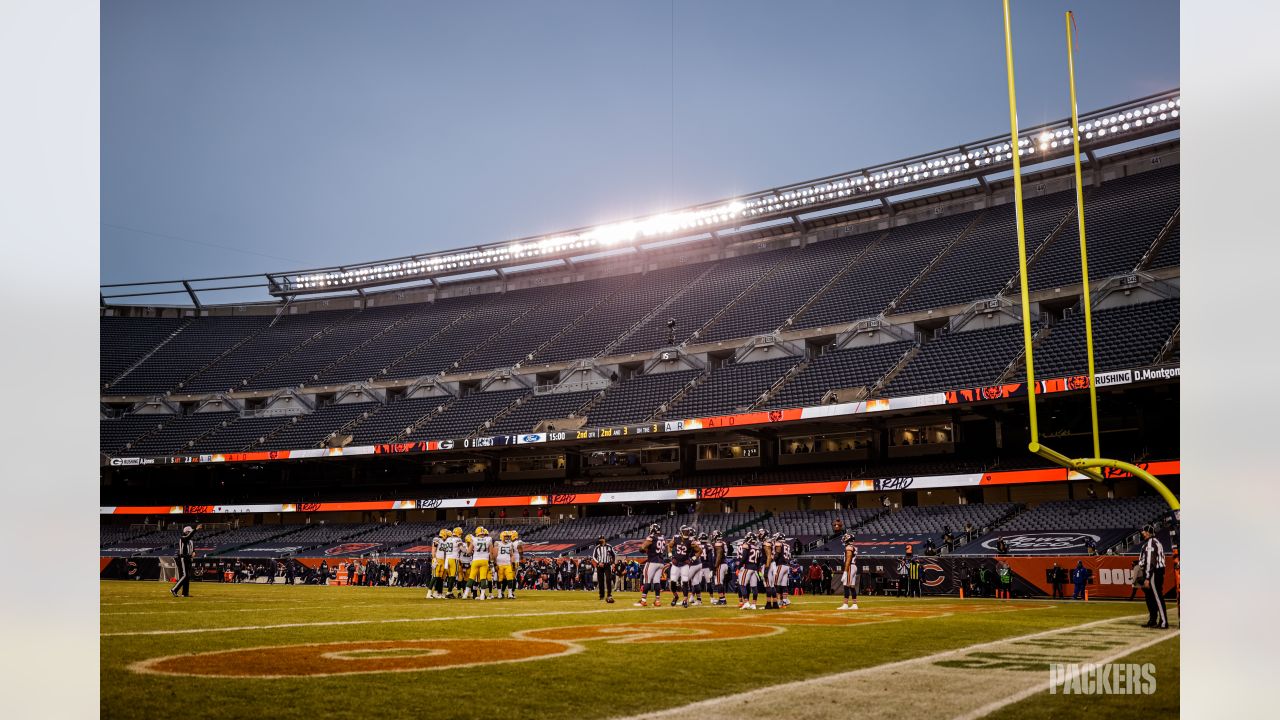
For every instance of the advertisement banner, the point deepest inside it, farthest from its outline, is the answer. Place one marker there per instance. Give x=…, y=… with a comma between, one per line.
x=760, y=417
x=1164, y=468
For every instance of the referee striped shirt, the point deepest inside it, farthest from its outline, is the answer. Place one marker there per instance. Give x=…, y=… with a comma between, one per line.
x=1152, y=557
x=604, y=554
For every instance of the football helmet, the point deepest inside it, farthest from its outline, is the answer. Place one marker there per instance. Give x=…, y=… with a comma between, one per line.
x=457, y=532
x=655, y=529
x=685, y=530
x=481, y=532
x=848, y=538
x=444, y=533
x=515, y=535
x=468, y=538
x=715, y=535
x=504, y=536
x=702, y=537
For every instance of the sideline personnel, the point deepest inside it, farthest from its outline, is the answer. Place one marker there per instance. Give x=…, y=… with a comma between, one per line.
x=603, y=557
x=1151, y=562
x=186, y=551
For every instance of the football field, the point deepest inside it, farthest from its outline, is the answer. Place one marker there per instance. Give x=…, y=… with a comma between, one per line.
x=346, y=652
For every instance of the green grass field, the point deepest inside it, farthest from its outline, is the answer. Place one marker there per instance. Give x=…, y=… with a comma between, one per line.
x=307, y=652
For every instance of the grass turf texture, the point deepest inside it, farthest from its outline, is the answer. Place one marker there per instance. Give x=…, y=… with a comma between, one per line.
x=632, y=677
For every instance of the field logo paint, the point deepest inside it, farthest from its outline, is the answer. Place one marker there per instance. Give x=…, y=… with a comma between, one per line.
x=1102, y=679
x=383, y=656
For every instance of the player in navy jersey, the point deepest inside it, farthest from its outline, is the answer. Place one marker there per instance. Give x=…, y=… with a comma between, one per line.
x=717, y=557
x=749, y=559
x=782, y=572
x=702, y=567
x=655, y=549
x=684, y=552
x=849, y=576
x=769, y=572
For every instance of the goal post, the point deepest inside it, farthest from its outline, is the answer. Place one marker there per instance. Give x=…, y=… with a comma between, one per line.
x=1089, y=467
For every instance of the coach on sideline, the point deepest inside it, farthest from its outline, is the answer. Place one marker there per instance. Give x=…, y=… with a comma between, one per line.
x=603, y=557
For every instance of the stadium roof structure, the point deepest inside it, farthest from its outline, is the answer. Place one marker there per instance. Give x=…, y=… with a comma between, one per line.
x=972, y=161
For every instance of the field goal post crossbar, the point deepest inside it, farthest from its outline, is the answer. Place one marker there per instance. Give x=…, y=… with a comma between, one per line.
x=1089, y=467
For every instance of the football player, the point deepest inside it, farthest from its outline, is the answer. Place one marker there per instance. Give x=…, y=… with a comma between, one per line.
x=517, y=553
x=702, y=582
x=770, y=571
x=655, y=549
x=464, y=565
x=717, y=566
x=749, y=558
x=849, y=575
x=684, y=553
x=438, y=564
x=782, y=561
x=452, y=554
x=505, y=554
x=482, y=551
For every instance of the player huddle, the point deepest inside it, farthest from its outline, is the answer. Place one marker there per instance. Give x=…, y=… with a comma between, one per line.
x=693, y=565
x=481, y=568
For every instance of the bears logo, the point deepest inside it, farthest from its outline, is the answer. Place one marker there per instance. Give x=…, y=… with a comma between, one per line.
x=353, y=548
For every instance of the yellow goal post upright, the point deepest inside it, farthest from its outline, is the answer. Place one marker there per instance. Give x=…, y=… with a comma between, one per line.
x=1089, y=467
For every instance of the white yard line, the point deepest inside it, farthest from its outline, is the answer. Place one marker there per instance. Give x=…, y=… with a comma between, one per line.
x=1044, y=686
x=695, y=709
x=328, y=623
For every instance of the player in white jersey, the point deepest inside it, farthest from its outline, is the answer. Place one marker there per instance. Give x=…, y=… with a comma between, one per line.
x=849, y=573
x=464, y=566
x=516, y=557
x=504, y=557
x=482, y=551
x=452, y=558
x=438, y=564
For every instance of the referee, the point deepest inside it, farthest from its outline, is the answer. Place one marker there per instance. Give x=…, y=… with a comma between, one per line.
x=603, y=557
x=1151, y=563
x=186, y=551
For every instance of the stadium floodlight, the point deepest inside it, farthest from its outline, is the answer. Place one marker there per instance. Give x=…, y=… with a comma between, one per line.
x=1118, y=124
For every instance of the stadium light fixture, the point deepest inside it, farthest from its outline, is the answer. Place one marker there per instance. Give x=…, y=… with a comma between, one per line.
x=1122, y=123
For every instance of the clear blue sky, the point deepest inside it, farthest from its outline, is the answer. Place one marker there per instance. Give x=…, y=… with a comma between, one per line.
x=248, y=137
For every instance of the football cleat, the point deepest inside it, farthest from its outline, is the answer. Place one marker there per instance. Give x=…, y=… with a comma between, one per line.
x=843, y=607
